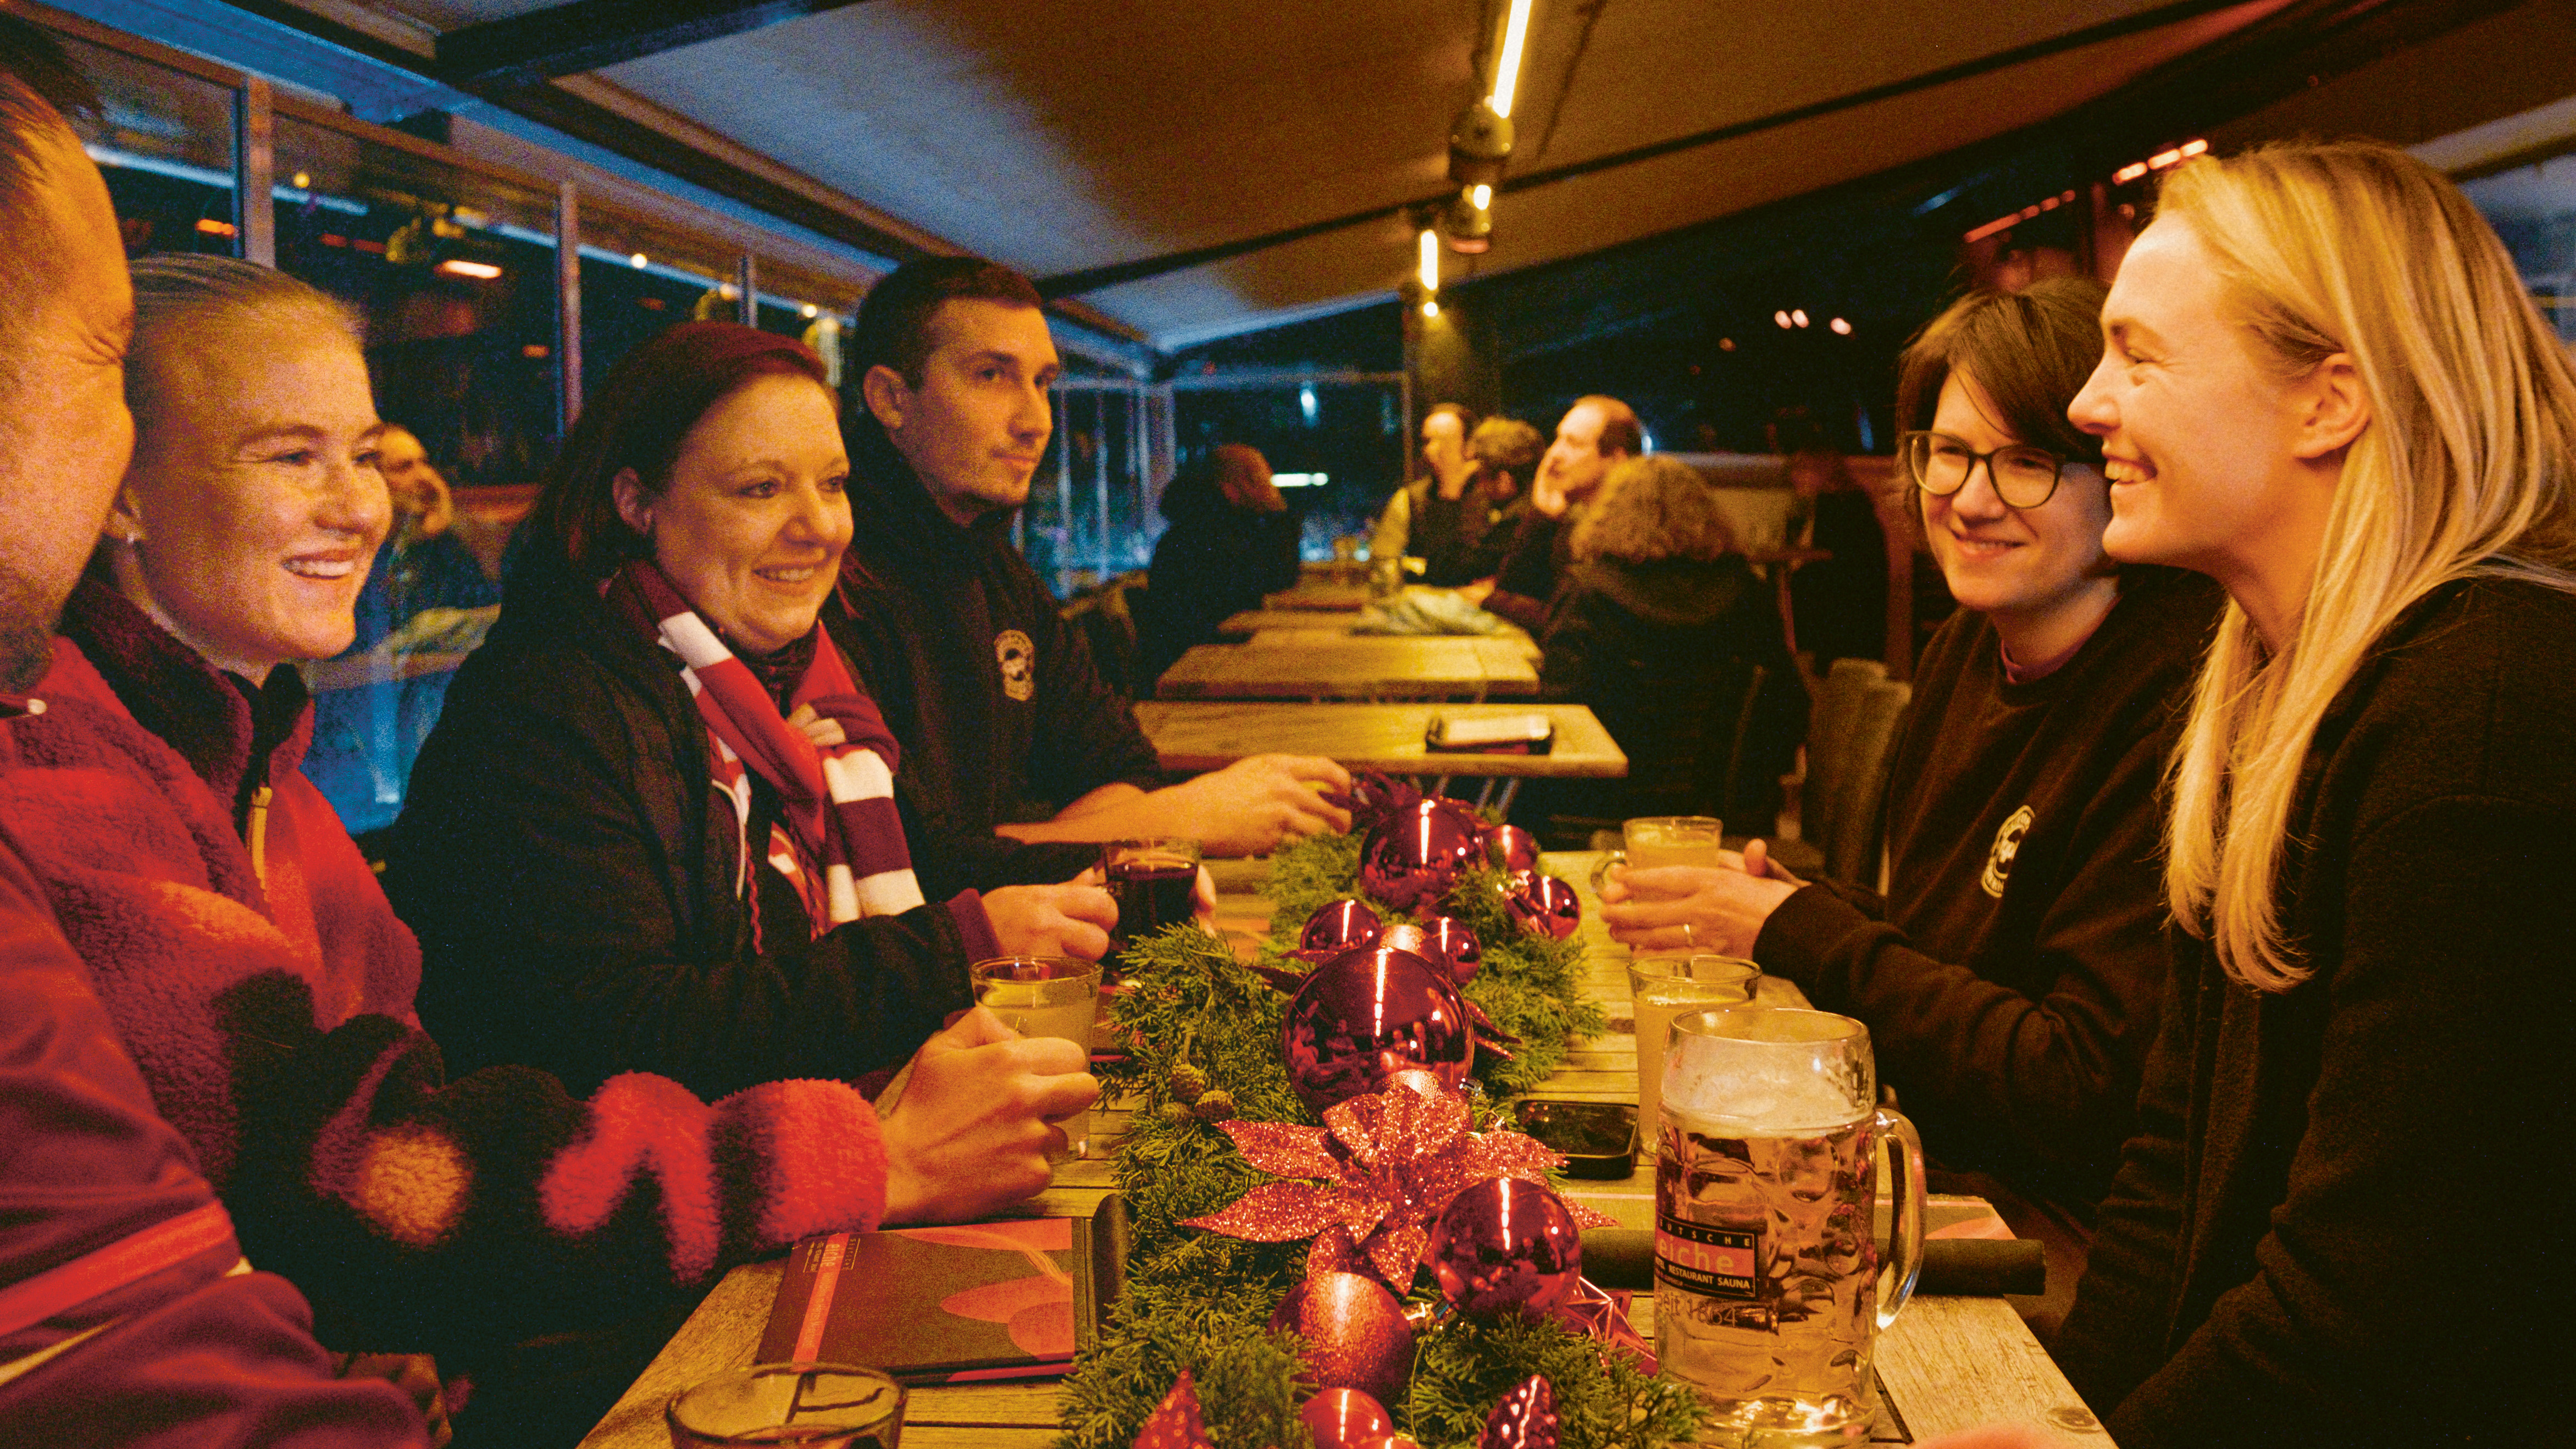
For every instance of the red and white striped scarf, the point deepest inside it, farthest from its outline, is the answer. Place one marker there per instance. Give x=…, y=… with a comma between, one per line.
x=838, y=839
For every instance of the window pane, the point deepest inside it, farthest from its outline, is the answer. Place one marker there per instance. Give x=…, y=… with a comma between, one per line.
x=166, y=150
x=454, y=272
x=639, y=279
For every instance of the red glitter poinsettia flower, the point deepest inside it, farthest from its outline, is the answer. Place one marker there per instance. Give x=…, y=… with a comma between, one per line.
x=1374, y=1176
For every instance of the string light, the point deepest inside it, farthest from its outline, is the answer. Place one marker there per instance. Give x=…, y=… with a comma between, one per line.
x=1430, y=260
x=1507, y=70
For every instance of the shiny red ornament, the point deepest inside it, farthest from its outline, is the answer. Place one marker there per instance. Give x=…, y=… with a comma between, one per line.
x=1388, y=1441
x=1366, y=1015
x=1542, y=905
x=1525, y=1419
x=1506, y=1245
x=1340, y=926
x=1451, y=941
x=1415, y=857
x=1343, y=1418
x=1415, y=1079
x=1510, y=848
x=1355, y=1334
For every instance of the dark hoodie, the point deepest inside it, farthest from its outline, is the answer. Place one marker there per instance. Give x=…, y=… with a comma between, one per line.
x=994, y=697
x=1663, y=653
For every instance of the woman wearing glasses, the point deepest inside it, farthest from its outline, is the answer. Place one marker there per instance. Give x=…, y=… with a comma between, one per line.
x=2011, y=975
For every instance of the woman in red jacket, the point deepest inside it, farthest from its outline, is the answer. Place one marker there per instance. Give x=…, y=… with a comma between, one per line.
x=263, y=987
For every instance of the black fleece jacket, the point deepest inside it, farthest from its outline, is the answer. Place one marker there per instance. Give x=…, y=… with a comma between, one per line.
x=2010, y=981
x=1000, y=711
x=2338, y=1223
x=572, y=873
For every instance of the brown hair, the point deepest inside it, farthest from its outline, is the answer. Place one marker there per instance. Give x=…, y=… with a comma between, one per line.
x=2030, y=352
x=638, y=421
x=1466, y=416
x=1654, y=506
x=893, y=326
x=1507, y=445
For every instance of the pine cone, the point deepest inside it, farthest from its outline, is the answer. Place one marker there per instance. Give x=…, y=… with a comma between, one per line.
x=1214, y=1106
x=1188, y=1082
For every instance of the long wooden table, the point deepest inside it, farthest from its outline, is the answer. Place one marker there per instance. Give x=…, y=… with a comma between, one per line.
x=1322, y=667
x=1948, y=1363
x=1194, y=735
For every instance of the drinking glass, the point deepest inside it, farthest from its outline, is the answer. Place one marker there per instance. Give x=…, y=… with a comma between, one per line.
x=1663, y=987
x=1770, y=1288
x=1658, y=840
x=1045, y=996
x=809, y=1405
x=1155, y=882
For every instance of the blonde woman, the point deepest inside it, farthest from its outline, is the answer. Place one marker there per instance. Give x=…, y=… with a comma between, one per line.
x=2324, y=387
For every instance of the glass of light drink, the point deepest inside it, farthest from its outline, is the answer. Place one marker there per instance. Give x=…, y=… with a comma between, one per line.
x=1045, y=996
x=1650, y=841
x=1770, y=1288
x=812, y=1405
x=1663, y=987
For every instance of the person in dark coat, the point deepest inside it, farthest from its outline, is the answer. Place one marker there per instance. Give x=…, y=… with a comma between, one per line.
x=1660, y=627
x=1232, y=540
x=2010, y=976
x=655, y=828
x=2326, y=387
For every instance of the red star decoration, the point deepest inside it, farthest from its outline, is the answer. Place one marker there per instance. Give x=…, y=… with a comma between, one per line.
x=1175, y=1423
x=1372, y=1179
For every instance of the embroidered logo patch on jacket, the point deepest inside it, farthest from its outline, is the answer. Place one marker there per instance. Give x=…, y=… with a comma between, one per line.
x=1019, y=660
x=1999, y=861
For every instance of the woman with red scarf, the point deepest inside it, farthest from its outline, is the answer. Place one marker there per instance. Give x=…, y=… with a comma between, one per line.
x=656, y=828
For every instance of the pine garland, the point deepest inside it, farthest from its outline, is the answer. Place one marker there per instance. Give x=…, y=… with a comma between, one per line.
x=1202, y=1301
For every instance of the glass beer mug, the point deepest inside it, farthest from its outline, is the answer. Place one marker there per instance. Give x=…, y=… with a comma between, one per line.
x=1769, y=1286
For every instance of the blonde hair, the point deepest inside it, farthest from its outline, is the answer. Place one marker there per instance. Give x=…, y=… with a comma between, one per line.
x=1653, y=507
x=2462, y=471
x=222, y=305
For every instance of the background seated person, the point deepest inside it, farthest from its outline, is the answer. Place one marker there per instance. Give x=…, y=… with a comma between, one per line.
x=1526, y=553
x=1658, y=627
x=1005, y=723
x=263, y=987
x=654, y=829
x=1232, y=539
x=1413, y=522
x=2011, y=976
x=374, y=705
x=1506, y=452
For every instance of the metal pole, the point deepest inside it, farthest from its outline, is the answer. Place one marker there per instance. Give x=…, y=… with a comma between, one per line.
x=1063, y=483
x=747, y=278
x=567, y=308
x=254, y=173
x=1100, y=478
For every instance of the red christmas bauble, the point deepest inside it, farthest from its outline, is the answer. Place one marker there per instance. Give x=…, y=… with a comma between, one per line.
x=1451, y=941
x=1505, y=1245
x=1339, y=925
x=1542, y=905
x=1355, y=1334
x=1510, y=848
x=1415, y=856
x=1525, y=1419
x=1364, y=1016
x=1343, y=1418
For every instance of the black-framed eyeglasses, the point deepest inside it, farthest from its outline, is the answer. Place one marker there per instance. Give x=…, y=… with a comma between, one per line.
x=2024, y=475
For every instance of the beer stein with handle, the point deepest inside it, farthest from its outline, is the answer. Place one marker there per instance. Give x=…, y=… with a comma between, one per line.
x=1770, y=1289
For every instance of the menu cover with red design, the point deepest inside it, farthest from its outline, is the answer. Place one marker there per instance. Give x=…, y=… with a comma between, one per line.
x=974, y=1303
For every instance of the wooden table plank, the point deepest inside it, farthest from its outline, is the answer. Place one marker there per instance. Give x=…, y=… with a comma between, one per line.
x=1336, y=595
x=1191, y=736
x=1314, y=666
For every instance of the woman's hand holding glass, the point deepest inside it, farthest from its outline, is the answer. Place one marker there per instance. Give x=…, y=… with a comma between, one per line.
x=1073, y=919
x=970, y=1133
x=1696, y=908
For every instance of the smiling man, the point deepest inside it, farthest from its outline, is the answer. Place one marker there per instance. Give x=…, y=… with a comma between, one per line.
x=1005, y=722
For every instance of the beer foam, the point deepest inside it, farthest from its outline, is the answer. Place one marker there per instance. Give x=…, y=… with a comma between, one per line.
x=1754, y=1097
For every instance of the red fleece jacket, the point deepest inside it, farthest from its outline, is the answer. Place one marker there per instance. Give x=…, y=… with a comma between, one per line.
x=264, y=989
x=177, y=1351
